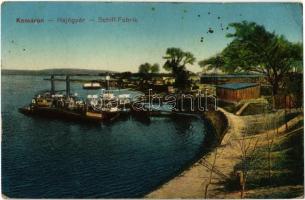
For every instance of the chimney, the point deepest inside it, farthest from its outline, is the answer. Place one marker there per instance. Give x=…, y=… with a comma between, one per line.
x=52, y=85
x=68, y=86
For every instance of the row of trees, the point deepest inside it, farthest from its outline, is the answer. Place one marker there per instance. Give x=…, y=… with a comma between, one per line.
x=252, y=49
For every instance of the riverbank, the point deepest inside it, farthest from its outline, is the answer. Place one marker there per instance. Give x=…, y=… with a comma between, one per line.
x=191, y=183
x=201, y=181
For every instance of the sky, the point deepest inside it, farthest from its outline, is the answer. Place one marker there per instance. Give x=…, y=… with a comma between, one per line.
x=123, y=46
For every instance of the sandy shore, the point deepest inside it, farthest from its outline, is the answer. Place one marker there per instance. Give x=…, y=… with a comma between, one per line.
x=191, y=183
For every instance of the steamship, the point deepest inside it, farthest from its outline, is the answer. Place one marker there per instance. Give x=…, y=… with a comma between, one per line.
x=69, y=106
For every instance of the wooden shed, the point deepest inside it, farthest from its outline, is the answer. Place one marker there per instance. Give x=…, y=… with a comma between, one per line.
x=234, y=92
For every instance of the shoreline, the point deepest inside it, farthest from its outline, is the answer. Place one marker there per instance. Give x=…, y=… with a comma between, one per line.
x=191, y=182
x=210, y=142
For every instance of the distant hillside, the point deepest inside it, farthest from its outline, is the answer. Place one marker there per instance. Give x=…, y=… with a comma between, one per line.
x=59, y=71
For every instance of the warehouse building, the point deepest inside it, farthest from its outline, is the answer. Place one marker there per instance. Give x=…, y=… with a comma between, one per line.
x=235, y=92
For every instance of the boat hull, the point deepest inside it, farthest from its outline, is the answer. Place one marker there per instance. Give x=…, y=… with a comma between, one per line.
x=92, y=87
x=66, y=114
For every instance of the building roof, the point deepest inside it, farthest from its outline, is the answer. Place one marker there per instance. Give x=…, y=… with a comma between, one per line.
x=232, y=75
x=237, y=86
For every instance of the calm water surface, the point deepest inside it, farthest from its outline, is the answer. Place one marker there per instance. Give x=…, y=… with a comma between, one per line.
x=43, y=158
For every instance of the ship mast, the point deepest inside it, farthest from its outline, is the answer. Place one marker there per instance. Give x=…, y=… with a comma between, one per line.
x=52, y=85
x=68, y=86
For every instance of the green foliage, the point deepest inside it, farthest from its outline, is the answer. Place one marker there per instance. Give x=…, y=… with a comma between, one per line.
x=254, y=49
x=176, y=61
x=287, y=168
x=293, y=85
x=256, y=108
x=148, y=68
x=144, y=68
x=215, y=62
x=154, y=68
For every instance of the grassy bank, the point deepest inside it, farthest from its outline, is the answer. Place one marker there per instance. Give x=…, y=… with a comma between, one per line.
x=273, y=163
x=275, y=168
x=230, y=107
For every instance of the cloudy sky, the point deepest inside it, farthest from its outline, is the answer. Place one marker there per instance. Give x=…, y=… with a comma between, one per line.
x=123, y=46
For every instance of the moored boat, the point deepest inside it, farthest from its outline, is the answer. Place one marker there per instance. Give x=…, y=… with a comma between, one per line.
x=67, y=106
x=92, y=86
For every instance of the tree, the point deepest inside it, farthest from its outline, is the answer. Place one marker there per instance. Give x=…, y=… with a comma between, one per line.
x=176, y=61
x=293, y=86
x=148, y=68
x=215, y=62
x=145, y=71
x=247, y=147
x=271, y=125
x=144, y=68
x=154, y=68
x=254, y=49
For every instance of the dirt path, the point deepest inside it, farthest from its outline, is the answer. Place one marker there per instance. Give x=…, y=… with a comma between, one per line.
x=242, y=109
x=191, y=183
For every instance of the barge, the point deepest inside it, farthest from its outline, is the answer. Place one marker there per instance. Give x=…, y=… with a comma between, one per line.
x=68, y=115
x=70, y=107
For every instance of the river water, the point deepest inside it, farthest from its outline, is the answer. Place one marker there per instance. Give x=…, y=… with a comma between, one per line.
x=44, y=158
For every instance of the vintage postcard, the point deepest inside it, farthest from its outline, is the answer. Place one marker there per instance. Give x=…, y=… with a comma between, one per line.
x=155, y=100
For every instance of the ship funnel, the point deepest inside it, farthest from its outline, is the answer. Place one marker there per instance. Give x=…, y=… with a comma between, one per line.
x=107, y=81
x=52, y=85
x=67, y=86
